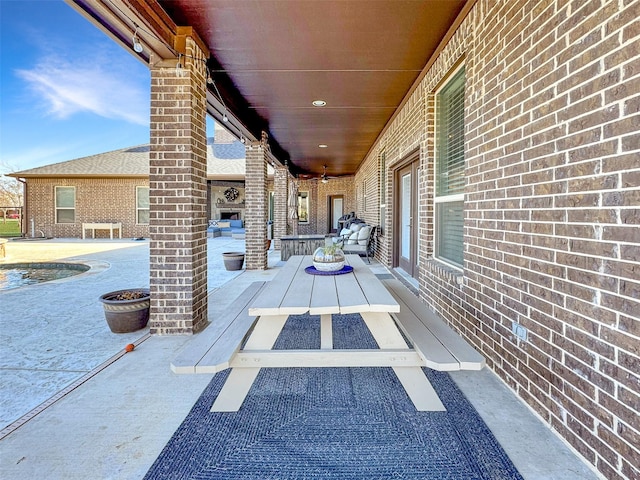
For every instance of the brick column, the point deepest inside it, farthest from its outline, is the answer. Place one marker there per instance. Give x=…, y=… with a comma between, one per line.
x=256, y=208
x=281, y=187
x=177, y=191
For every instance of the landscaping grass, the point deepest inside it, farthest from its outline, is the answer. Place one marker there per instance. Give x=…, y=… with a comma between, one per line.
x=9, y=228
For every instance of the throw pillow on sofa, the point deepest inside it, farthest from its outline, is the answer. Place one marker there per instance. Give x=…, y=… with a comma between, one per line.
x=363, y=235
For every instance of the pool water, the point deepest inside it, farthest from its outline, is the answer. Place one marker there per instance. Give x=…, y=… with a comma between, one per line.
x=17, y=275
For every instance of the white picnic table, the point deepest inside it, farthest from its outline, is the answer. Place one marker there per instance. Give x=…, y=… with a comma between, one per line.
x=295, y=292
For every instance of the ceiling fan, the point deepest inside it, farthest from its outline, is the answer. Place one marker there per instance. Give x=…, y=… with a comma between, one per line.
x=324, y=178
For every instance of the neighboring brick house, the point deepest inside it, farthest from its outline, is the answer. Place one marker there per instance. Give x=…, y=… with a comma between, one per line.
x=114, y=187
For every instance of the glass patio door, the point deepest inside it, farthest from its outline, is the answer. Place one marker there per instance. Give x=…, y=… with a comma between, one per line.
x=335, y=212
x=407, y=219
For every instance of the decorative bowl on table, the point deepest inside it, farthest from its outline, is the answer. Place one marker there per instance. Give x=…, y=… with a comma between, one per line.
x=328, y=258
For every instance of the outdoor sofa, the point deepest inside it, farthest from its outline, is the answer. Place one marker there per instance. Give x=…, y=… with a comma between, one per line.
x=225, y=228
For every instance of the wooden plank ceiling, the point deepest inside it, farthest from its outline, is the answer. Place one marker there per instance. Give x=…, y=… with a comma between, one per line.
x=272, y=58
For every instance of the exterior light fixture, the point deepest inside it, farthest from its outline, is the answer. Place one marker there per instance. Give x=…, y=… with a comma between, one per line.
x=319, y=103
x=212, y=82
x=137, y=46
x=323, y=145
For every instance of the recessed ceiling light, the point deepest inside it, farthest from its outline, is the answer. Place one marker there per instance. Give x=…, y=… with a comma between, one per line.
x=319, y=103
x=323, y=145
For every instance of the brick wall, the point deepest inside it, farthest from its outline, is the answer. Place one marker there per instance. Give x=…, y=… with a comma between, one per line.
x=552, y=219
x=97, y=200
x=368, y=201
x=256, y=213
x=336, y=186
x=318, y=203
x=280, y=188
x=311, y=227
x=178, y=194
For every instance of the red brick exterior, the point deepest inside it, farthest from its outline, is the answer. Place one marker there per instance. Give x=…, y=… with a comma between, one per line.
x=318, y=201
x=552, y=236
x=177, y=179
x=311, y=226
x=97, y=200
x=280, y=188
x=257, y=208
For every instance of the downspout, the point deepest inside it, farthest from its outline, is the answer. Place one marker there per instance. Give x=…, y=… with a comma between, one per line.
x=24, y=206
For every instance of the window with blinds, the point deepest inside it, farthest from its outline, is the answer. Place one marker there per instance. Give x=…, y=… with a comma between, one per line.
x=449, y=188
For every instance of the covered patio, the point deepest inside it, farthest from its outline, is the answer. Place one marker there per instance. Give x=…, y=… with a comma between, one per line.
x=494, y=144
x=86, y=409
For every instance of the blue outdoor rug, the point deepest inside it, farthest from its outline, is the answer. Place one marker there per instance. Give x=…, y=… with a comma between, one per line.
x=332, y=423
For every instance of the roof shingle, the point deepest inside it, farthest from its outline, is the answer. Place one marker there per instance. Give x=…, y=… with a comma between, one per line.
x=224, y=161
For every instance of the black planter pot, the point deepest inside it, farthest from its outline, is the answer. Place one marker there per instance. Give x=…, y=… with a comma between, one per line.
x=233, y=260
x=126, y=315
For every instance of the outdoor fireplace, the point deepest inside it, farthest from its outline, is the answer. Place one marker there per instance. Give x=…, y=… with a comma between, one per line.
x=230, y=216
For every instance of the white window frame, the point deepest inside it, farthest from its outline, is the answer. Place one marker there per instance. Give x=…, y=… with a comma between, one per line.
x=272, y=205
x=57, y=208
x=138, y=208
x=303, y=200
x=441, y=200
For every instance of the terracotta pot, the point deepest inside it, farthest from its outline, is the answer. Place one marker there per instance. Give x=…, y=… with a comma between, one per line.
x=125, y=314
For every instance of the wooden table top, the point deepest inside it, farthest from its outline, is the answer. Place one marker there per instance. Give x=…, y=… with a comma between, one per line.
x=295, y=292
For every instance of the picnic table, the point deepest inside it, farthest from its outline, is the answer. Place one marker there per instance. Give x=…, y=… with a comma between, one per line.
x=295, y=292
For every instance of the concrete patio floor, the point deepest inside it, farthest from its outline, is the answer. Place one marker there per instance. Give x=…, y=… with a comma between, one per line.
x=73, y=405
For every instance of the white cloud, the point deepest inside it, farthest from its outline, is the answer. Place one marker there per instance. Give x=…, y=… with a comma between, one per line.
x=68, y=88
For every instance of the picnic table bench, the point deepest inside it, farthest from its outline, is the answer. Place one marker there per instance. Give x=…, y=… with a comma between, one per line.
x=93, y=226
x=211, y=350
x=242, y=339
x=438, y=345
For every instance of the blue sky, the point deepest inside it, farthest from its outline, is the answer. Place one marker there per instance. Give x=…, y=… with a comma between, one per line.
x=66, y=89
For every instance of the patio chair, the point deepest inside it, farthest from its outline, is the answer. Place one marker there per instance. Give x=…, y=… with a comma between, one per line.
x=358, y=238
x=344, y=220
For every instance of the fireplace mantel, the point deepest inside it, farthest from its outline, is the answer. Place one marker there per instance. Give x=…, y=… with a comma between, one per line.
x=229, y=205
